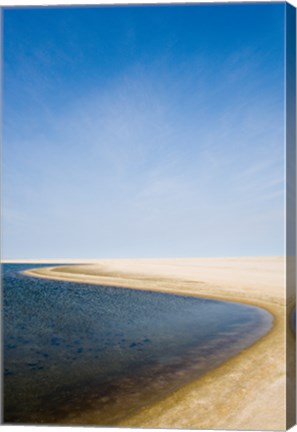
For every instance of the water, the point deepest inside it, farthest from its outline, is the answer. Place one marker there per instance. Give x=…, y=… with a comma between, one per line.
x=87, y=354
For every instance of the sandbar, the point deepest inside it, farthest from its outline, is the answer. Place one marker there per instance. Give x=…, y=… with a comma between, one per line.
x=250, y=390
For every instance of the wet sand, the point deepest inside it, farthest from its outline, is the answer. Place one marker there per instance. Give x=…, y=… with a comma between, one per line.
x=246, y=392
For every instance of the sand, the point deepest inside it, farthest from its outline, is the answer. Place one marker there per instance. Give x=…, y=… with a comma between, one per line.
x=248, y=391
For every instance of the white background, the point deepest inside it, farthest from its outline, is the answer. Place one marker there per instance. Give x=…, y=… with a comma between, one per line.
x=80, y=2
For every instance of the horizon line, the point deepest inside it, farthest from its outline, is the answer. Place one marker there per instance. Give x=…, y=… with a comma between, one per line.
x=81, y=260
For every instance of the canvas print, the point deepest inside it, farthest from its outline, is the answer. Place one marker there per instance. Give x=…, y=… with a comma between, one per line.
x=148, y=215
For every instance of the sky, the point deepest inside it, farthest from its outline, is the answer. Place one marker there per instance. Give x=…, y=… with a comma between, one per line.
x=144, y=131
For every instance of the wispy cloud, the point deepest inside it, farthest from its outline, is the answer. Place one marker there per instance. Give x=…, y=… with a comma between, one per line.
x=152, y=160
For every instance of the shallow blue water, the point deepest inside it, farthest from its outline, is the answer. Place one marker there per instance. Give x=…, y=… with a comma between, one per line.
x=72, y=349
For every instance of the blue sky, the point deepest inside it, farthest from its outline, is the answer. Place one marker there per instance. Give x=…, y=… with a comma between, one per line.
x=149, y=131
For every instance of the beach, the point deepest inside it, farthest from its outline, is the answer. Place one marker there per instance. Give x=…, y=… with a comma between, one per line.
x=246, y=392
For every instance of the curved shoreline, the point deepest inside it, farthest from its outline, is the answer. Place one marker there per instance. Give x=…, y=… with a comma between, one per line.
x=55, y=273
x=247, y=391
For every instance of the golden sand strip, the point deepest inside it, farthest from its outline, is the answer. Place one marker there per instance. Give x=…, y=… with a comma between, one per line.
x=246, y=392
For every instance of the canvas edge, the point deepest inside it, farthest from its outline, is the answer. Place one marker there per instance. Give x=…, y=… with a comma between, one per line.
x=290, y=249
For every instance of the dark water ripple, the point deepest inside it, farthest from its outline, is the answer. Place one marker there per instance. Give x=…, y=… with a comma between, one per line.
x=72, y=349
